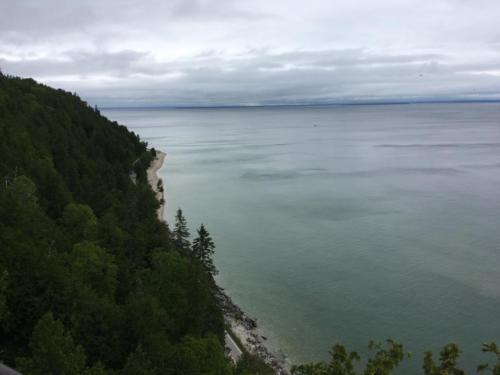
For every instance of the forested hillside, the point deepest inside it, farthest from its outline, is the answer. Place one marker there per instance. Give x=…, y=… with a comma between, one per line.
x=91, y=282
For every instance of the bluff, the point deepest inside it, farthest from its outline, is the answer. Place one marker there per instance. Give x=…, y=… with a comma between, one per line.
x=91, y=282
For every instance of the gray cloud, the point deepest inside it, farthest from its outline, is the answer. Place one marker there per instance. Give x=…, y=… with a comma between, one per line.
x=28, y=21
x=199, y=52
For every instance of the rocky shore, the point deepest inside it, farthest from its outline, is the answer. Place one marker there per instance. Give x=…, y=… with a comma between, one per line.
x=245, y=328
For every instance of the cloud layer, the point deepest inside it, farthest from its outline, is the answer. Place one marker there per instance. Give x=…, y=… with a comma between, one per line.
x=199, y=52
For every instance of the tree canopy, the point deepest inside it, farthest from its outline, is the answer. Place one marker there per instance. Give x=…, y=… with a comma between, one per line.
x=91, y=282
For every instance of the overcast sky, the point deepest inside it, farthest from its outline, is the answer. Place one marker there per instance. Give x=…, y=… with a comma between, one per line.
x=217, y=52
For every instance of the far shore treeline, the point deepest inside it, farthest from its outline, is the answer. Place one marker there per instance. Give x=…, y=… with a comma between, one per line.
x=91, y=281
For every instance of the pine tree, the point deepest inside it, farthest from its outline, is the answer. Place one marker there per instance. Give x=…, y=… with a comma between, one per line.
x=204, y=249
x=181, y=232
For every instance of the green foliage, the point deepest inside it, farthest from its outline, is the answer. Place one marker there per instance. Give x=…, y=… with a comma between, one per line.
x=448, y=358
x=94, y=267
x=22, y=191
x=191, y=356
x=141, y=165
x=203, y=250
x=181, y=232
x=53, y=192
x=80, y=222
x=53, y=351
x=3, y=288
x=252, y=365
x=385, y=361
x=80, y=239
x=201, y=357
x=27, y=243
x=138, y=363
x=495, y=350
x=343, y=362
x=175, y=278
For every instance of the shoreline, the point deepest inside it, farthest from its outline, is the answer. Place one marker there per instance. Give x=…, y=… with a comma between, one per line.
x=240, y=324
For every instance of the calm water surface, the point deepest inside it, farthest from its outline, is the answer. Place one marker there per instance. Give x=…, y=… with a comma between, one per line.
x=345, y=223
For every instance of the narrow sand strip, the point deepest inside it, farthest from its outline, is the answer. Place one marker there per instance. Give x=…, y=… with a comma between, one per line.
x=153, y=179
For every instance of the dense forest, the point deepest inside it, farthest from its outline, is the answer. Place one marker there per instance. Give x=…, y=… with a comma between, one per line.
x=91, y=282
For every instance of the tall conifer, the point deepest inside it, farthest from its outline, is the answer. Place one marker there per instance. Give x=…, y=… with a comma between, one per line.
x=204, y=249
x=181, y=232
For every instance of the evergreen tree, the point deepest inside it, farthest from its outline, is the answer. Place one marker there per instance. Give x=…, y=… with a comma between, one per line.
x=204, y=249
x=181, y=232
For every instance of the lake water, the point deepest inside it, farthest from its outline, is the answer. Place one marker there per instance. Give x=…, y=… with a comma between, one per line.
x=345, y=223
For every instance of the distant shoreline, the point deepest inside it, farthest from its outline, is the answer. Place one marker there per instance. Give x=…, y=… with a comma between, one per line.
x=301, y=105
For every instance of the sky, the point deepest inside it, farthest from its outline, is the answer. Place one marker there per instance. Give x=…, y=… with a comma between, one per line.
x=258, y=52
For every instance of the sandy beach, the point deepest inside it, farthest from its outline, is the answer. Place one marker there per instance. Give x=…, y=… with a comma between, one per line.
x=153, y=179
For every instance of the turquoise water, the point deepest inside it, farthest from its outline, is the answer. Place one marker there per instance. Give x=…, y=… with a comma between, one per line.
x=345, y=223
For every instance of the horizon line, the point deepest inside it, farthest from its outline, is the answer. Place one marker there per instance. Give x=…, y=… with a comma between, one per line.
x=249, y=106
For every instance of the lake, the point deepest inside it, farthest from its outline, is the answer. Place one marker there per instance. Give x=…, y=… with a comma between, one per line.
x=345, y=223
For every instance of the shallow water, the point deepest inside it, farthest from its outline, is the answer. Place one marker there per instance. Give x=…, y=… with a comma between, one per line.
x=345, y=223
